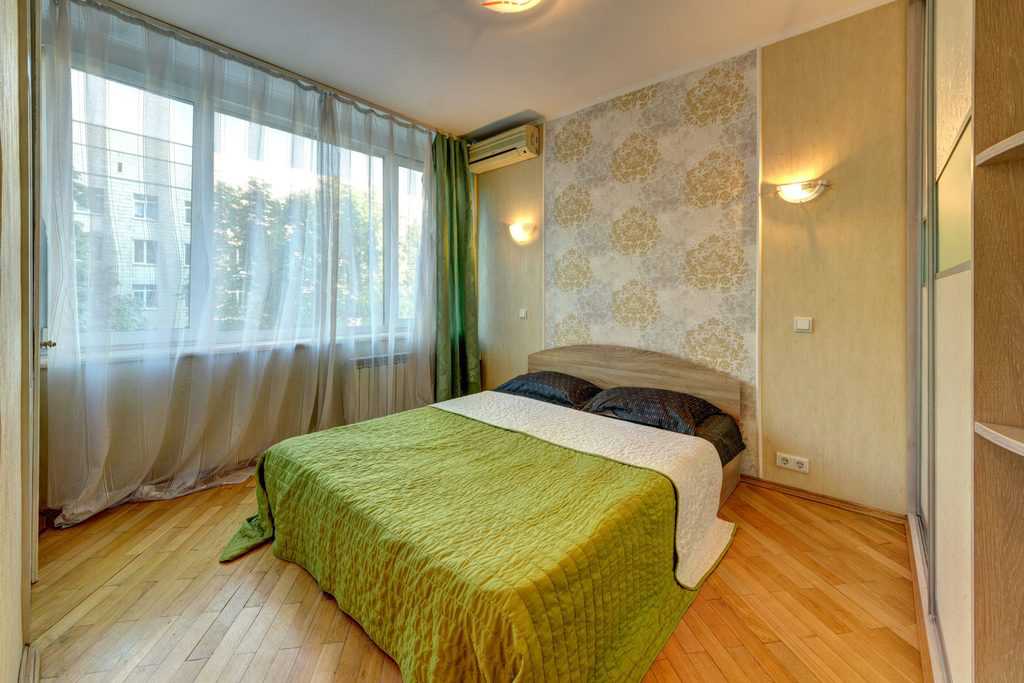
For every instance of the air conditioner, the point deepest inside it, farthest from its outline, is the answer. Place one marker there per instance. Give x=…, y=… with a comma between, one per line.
x=510, y=147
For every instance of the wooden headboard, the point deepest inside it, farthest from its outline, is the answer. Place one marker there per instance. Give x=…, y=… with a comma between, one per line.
x=622, y=366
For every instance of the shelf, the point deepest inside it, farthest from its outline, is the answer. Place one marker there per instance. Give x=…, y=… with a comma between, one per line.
x=1010, y=149
x=1010, y=438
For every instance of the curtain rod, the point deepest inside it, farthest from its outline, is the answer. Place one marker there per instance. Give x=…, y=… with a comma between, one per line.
x=136, y=16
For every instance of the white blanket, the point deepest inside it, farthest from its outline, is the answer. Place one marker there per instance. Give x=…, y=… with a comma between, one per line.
x=691, y=464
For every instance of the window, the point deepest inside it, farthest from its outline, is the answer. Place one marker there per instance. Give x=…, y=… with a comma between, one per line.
x=89, y=199
x=410, y=226
x=145, y=252
x=360, y=295
x=144, y=296
x=264, y=247
x=265, y=226
x=130, y=147
x=147, y=206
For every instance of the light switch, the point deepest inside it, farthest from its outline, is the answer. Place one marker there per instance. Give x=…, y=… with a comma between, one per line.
x=522, y=314
x=803, y=325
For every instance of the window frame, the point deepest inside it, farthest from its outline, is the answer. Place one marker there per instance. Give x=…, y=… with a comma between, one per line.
x=92, y=195
x=150, y=250
x=149, y=302
x=150, y=204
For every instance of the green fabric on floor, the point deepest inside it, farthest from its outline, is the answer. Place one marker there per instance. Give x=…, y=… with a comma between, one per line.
x=472, y=553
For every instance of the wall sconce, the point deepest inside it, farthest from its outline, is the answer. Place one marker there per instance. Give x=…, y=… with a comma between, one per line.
x=509, y=6
x=798, y=193
x=522, y=233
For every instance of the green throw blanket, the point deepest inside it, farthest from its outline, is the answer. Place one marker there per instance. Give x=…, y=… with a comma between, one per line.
x=472, y=553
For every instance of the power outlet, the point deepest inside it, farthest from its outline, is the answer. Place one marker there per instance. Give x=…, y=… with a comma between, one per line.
x=793, y=462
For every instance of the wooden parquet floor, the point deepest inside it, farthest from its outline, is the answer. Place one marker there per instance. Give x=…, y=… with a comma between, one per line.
x=807, y=592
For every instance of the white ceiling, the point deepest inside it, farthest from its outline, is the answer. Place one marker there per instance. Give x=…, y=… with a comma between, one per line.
x=456, y=66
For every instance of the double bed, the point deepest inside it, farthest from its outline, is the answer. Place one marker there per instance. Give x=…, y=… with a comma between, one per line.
x=497, y=537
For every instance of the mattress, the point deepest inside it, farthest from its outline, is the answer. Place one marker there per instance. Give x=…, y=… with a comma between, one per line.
x=490, y=538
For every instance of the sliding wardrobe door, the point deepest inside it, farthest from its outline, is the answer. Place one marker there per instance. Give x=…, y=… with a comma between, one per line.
x=946, y=462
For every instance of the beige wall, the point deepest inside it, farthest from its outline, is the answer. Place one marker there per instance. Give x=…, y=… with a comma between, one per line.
x=10, y=350
x=834, y=106
x=511, y=275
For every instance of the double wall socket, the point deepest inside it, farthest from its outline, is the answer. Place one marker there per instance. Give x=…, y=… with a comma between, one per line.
x=792, y=462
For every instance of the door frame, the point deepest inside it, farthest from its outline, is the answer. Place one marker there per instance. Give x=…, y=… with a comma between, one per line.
x=29, y=327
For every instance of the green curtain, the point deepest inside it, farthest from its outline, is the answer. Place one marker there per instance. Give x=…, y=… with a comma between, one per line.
x=458, y=350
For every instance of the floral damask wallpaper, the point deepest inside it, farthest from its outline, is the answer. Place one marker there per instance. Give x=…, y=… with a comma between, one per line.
x=651, y=224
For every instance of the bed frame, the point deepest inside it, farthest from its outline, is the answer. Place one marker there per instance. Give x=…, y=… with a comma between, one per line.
x=621, y=366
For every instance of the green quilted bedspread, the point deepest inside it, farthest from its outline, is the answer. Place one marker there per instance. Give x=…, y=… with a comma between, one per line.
x=472, y=553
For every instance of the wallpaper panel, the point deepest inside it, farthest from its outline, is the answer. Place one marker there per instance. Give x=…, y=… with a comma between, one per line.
x=651, y=224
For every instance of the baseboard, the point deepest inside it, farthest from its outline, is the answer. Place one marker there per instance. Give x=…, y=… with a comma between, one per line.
x=933, y=658
x=825, y=500
x=29, y=665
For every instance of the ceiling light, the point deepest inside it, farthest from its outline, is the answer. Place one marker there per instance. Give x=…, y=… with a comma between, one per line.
x=509, y=6
x=798, y=193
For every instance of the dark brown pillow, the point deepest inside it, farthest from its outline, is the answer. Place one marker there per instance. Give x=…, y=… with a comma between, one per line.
x=552, y=387
x=659, y=408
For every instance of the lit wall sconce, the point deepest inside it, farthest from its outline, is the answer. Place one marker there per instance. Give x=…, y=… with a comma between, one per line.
x=522, y=233
x=798, y=193
x=509, y=6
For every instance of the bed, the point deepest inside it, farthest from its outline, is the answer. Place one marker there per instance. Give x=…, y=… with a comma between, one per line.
x=498, y=538
x=613, y=366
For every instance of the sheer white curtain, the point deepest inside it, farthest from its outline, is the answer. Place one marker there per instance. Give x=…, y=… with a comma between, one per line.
x=231, y=258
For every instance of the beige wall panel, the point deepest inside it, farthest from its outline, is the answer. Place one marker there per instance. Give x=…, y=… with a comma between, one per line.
x=10, y=349
x=954, y=31
x=834, y=105
x=511, y=275
x=954, y=443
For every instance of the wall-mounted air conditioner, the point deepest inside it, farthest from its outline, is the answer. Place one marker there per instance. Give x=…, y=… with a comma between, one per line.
x=510, y=147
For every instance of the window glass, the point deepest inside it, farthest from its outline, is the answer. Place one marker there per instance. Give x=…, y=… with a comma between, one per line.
x=144, y=296
x=410, y=226
x=147, y=206
x=132, y=152
x=361, y=257
x=145, y=252
x=265, y=240
x=265, y=235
